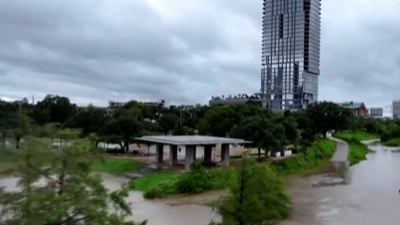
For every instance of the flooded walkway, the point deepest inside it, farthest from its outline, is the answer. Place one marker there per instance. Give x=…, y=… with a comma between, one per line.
x=367, y=195
x=342, y=150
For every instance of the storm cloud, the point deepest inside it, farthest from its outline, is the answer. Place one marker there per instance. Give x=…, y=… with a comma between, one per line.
x=184, y=51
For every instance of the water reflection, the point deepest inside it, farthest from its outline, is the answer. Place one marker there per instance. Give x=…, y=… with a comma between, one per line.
x=367, y=193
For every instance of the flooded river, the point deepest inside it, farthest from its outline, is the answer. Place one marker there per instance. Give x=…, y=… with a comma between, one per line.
x=172, y=211
x=365, y=194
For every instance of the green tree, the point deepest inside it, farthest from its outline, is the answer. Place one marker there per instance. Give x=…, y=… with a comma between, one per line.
x=256, y=197
x=123, y=127
x=57, y=188
x=326, y=116
x=168, y=122
x=89, y=120
x=53, y=109
x=263, y=131
x=218, y=121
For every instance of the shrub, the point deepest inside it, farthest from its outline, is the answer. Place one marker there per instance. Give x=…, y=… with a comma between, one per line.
x=196, y=181
x=312, y=157
x=256, y=196
x=161, y=190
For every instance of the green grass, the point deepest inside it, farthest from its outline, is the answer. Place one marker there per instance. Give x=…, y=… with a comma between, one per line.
x=360, y=136
x=8, y=156
x=313, y=157
x=151, y=180
x=116, y=166
x=357, y=150
x=392, y=142
x=166, y=182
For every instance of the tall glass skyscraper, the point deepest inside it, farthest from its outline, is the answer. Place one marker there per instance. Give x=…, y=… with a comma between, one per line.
x=291, y=53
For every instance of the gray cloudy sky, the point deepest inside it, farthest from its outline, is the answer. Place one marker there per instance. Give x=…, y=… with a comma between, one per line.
x=184, y=51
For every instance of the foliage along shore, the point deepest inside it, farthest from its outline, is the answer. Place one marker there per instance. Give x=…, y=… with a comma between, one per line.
x=166, y=182
x=357, y=150
x=55, y=117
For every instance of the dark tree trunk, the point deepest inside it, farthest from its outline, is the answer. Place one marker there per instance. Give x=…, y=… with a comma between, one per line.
x=17, y=143
x=259, y=152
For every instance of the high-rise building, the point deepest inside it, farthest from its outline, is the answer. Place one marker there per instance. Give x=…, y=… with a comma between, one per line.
x=396, y=109
x=291, y=53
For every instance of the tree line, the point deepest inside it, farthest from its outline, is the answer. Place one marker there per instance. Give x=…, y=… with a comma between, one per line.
x=267, y=130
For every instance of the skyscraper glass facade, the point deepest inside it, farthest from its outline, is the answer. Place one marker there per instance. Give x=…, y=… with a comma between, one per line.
x=291, y=52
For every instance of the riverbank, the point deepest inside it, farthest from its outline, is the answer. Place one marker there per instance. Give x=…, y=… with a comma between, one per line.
x=163, y=183
x=357, y=150
x=367, y=198
x=392, y=142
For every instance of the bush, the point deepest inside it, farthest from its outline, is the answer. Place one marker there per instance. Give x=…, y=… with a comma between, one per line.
x=256, y=196
x=199, y=179
x=357, y=151
x=161, y=190
x=308, y=159
x=196, y=181
x=392, y=142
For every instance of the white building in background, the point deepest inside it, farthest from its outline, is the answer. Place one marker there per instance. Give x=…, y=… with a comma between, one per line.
x=376, y=112
x=396, y=109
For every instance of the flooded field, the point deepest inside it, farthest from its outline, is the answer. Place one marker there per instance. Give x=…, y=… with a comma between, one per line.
x=366, y=194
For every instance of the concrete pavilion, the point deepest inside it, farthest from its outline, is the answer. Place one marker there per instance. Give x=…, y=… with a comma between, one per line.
x=190, y=143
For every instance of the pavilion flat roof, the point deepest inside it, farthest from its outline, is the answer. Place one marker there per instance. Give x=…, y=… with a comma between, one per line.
x=191, y=140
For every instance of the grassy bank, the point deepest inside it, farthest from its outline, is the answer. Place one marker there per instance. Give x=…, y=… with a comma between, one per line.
x=359, y=136
x=163, y=183
x=392, y=142
x=116, y=166
x=357, y=150
x=166, y=182
x=317, y=154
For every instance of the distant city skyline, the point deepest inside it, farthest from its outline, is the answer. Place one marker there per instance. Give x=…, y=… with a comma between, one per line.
x=185, y=51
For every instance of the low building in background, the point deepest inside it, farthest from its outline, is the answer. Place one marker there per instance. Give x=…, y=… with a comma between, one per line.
x=376, y=112
x=155, y=103
x=396, y=109
x=239, y=99
x=358, y=108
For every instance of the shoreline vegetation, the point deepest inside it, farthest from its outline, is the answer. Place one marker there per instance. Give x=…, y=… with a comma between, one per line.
x=163, y=183
x=29, y=130
x=357, y=150
x=395, y=142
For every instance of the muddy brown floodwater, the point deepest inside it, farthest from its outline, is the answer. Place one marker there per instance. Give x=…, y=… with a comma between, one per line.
x=365, y=194
x=171, y=211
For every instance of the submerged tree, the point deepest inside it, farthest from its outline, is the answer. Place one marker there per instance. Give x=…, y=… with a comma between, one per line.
x=256, y=197
x=56, y=187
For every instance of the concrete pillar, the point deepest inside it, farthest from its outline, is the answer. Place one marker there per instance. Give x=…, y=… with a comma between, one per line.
x=208, y=154
x=225, y=154
x=173, y=155
x=159, y=153
x=189, y=156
